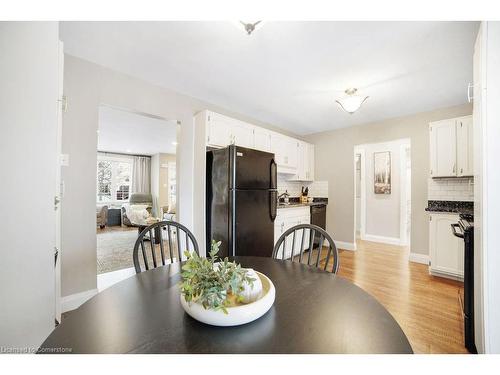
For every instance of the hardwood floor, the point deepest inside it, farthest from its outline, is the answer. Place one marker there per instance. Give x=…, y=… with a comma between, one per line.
x=426, y=307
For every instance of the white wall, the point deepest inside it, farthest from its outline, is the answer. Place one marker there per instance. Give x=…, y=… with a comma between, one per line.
x=383, y=211
x=487, y=187
x=28, y=120
x=492, y=190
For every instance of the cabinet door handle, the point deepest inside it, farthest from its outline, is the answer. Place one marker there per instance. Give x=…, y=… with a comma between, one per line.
x=461, y=170
x=454, y=167
x=470, y=98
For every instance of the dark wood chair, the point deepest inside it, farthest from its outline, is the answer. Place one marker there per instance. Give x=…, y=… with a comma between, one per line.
x=162, y=243
x=304, y=243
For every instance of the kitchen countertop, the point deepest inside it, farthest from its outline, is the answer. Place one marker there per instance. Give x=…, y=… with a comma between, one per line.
x=459, y=207
x=295, y=202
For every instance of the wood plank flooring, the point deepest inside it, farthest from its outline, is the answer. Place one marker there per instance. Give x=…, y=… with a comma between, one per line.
x=426, y=307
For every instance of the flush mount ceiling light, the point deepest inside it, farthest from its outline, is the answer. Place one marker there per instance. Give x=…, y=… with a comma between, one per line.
x=249, y=27
x=351, y=102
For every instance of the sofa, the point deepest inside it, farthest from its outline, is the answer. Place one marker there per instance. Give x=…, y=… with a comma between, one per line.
x=168, y=213
x=102, y=216
x=137, y=198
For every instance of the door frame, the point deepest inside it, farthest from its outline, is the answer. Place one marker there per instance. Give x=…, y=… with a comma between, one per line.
x=59, y=190
x=362, y=217
x=403, y=214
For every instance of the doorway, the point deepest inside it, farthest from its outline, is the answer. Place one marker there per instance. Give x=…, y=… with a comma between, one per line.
x=136, y=185
x=382, y=194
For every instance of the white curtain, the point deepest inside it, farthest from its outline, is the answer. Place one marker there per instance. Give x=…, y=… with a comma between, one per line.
x=141, y=175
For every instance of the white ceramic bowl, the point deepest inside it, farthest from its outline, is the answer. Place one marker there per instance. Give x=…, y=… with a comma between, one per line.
x=235, y=315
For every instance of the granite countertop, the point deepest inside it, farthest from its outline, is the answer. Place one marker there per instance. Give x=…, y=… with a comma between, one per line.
x=295, y=202
x=460, y=207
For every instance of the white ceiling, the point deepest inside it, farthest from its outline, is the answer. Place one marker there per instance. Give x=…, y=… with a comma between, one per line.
x=288, y=74
x=127, y=132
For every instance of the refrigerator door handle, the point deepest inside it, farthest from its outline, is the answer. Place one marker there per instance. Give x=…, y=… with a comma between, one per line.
x=273, y=177
x=273, y=204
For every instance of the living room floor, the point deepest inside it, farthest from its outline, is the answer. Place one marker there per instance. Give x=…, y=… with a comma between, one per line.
x=115, y=246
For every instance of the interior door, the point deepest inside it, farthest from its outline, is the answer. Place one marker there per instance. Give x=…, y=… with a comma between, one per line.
x=58, y=188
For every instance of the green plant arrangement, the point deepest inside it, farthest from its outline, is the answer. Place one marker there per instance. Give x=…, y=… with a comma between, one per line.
x=215, y=285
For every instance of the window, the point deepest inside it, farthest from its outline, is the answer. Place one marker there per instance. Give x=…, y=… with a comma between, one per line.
x=114, y=178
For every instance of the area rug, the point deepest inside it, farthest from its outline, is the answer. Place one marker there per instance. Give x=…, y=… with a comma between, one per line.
x=115, y=249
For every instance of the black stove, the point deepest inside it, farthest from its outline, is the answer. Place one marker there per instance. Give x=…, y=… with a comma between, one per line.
x=465, y=229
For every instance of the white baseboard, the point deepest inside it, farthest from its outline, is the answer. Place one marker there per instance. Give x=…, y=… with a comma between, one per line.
x=105, y=280
x=419, y=258
x=382, y=239
x=74, y=301
x=345, y=245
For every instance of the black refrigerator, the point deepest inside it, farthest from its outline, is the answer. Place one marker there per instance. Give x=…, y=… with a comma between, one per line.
x=241, y=201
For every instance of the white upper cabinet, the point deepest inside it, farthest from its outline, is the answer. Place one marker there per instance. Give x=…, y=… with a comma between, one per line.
x=293, y=157
x=285, y=152
x=242, y=134
x=443, y=148
x=223, y=131
x=262, y=139
x=451, y=147
x=310, y=174
x=465, y=147
x=218, y=130
x=305, y=164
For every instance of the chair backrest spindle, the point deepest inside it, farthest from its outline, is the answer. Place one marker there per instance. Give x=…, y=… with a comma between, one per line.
x=315, y=233
x=155, y=235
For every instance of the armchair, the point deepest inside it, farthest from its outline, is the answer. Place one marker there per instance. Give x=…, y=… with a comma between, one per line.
x=102, y=216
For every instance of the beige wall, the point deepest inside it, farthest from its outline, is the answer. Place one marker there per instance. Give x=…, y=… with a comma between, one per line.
x=334, y=162
x=88, y=86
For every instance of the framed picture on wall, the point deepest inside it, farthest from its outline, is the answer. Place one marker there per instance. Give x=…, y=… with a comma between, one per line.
x=382, y=172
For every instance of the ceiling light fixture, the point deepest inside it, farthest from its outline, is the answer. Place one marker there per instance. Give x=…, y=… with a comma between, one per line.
x=174, y=143
x=250, y=27
x=351, y=102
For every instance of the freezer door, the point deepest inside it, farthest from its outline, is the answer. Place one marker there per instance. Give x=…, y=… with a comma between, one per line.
x=252, y=169
x=253, y=227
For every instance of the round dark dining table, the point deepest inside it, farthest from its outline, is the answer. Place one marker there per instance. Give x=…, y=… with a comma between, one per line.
x=314, y=312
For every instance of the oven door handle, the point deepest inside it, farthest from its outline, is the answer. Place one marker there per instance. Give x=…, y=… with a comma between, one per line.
x=457, y=234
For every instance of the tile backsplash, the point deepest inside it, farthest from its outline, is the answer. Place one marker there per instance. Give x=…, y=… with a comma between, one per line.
x=317, y=189
x=451, y=189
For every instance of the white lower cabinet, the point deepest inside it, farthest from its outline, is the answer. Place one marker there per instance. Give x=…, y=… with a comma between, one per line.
x=287, y=218
x=446, y=250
